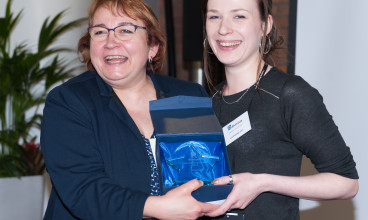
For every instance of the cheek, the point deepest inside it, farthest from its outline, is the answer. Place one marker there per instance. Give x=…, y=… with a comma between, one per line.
x=137, y=49
x=210, y=34
x=130, y=47
x=209, y=29
x=94, y=52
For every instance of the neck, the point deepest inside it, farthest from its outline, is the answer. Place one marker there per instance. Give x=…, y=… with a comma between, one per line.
x=241, y=77
x=141, y=91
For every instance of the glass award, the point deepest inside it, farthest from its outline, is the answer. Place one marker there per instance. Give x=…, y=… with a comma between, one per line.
x=184, y=161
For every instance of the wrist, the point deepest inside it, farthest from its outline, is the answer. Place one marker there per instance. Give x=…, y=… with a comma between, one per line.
x=264, y=182
x=151, y=206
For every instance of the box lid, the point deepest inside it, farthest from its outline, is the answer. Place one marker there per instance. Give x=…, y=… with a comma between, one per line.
x=184, y=114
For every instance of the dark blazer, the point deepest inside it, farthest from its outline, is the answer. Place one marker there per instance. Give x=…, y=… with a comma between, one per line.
x=94, y=152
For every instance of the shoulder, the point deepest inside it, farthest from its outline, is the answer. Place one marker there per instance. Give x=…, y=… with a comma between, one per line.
x=172, y=86
x=297, y=89
x=286, y=85
x=292, y=91
x=83, y=84
x=82, y=90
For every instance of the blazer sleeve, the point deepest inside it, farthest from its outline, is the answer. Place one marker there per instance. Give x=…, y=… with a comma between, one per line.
x=75, y=165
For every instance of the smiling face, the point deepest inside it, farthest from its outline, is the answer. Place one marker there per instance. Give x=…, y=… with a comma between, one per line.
x=120, y=62
x=234, y=31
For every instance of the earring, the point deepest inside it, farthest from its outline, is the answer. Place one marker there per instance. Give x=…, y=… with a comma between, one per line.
x=150, y=60
x=267, y=47
x=209, y=47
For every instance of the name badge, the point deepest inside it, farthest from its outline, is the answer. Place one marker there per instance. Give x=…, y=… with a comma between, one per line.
x=236, y=128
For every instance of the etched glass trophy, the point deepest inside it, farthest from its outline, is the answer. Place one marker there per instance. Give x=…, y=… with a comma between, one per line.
x=184, y=161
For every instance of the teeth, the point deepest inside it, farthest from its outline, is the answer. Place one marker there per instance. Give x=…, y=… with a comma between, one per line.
x=229, y=44
x=116, y=59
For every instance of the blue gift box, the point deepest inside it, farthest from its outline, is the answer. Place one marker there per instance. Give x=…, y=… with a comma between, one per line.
x=190, y=144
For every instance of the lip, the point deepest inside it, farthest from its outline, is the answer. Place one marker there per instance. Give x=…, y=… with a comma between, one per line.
x=114, y=59
x=228, y=43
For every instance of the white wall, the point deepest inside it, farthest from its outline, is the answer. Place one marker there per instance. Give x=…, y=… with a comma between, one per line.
x=36, y=11
x=34, y=14
x=331, y=54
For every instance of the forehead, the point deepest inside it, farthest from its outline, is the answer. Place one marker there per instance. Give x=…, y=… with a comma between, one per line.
x=106, y=14
x=232, y=5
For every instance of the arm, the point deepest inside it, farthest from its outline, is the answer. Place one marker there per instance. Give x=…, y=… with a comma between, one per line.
x=322, y=186
x=314, y=133
x=75, y=164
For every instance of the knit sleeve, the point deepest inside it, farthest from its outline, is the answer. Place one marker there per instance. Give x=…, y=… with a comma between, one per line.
x=313, y=130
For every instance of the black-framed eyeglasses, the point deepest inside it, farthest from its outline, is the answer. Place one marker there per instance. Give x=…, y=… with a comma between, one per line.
x=124, y=31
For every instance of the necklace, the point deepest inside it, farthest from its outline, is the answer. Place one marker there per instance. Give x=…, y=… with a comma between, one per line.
x=229, y=103
x=245, y=92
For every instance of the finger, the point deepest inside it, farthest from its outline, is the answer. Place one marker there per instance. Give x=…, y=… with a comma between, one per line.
x=224, y=207
x=190, y=186
x=208, y=207
x=219, y=211
x=224, y=180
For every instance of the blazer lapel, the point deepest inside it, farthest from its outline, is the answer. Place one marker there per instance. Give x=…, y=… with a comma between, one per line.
x=115, y=105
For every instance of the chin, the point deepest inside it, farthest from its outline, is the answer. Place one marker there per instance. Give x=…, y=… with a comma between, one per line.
x=227, y=62
x=112, y=76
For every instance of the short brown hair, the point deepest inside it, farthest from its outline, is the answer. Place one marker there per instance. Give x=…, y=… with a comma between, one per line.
x=135, y=9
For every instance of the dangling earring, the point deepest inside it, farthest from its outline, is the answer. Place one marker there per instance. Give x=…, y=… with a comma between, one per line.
x=267, y=47
x=150, y=60
x=209, y=47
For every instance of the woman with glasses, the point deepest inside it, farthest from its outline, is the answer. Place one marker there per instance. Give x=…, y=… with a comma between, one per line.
x=97, y=130
x=270, y=119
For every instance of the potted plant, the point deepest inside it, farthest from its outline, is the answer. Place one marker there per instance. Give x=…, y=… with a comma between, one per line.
x=25, y=78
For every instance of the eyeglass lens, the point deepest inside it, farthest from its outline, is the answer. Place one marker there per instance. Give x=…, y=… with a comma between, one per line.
x=123, y=32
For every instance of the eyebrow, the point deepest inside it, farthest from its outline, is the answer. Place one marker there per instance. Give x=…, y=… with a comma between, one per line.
x=234, y=10
x=237, y=10
x=121, y=23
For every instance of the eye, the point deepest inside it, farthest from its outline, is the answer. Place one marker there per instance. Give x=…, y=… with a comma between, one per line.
x=125, y=30
x=240, y=16
x=99, y=31
x=213, y=17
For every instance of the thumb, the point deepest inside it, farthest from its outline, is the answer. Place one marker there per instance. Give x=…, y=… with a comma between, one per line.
x=208, y=208
x=191, y=186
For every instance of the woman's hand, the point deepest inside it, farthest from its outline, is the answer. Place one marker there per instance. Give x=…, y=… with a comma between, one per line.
x=178, y=204
x=247, y=187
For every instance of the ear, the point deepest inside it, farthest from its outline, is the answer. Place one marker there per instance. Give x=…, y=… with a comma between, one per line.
x=153, y=51
x=269, y=24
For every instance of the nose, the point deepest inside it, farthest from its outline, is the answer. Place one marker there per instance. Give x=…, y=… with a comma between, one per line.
x=111, y=40
x=225, y=27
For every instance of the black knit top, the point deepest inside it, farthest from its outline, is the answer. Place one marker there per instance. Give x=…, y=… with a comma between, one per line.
x=288, y=120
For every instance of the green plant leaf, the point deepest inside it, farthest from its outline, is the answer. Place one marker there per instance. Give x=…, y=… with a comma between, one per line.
x=26, y=77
